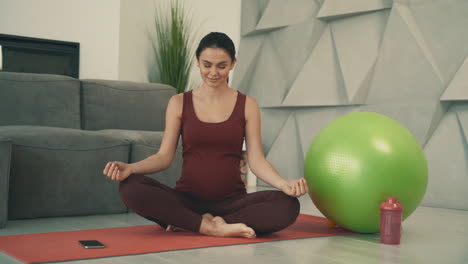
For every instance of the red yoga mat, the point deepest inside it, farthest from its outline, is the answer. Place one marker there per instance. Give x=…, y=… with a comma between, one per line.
x=120, y=241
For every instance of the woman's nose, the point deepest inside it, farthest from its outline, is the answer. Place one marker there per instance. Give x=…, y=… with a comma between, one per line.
x=214, y=71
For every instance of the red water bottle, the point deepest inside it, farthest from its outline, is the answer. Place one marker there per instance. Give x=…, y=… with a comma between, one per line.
x=391, y=216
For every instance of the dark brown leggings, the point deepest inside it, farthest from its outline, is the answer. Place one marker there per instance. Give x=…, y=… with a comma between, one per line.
x=264, y=211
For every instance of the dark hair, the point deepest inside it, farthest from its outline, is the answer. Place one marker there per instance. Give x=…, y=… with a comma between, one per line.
x=217, y=40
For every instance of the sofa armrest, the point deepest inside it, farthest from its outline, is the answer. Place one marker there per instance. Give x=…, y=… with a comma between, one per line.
x=5, y=158
x=108, y=104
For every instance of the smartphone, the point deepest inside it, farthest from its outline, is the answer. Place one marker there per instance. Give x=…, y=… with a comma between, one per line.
x=91, y=244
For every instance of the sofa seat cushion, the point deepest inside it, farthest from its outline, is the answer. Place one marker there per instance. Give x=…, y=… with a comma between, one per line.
x=137, y=137
x=145, y=144
x=59, y=172
x=39, y=99
x=59, y=138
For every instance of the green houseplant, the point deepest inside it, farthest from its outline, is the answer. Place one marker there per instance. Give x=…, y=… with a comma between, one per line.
x=173, y=44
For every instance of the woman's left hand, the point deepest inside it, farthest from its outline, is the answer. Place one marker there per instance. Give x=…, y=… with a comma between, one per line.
x=295, y=188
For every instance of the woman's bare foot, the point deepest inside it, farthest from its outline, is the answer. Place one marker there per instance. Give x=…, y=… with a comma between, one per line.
x=172, y=228
x=216, y=226
x=208, y=216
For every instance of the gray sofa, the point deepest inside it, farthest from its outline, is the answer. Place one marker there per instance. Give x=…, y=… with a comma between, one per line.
x=57, y=133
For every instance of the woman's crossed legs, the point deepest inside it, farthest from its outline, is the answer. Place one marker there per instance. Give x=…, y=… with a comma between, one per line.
x=242, y=215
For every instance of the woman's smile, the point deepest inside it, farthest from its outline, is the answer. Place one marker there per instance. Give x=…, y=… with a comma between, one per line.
x=213, y=79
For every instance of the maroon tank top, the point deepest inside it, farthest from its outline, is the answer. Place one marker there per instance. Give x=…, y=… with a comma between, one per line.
x=212, y=153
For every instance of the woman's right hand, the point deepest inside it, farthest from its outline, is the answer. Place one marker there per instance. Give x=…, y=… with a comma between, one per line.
x=117, y=171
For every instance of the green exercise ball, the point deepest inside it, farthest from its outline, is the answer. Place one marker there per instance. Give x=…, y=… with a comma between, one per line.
x=359, y=160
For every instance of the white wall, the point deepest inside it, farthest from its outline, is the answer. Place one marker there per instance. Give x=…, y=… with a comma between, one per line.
x=94, y=24
x=113, y=34
x=137, y=17
x=135, y=48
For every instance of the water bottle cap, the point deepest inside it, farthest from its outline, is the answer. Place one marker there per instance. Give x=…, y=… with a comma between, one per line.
x=391, y=204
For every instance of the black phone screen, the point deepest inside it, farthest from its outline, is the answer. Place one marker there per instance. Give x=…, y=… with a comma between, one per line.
x=91, y=244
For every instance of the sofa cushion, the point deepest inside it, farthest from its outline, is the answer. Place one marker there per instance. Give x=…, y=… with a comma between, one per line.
x=39, y=99
x=59, y=138
x=5, y=155
x=145, y=144
x=140, y=137
x=124, y=105
x=59, y=172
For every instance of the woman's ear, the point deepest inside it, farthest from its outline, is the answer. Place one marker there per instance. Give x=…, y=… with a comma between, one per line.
x=233, y=63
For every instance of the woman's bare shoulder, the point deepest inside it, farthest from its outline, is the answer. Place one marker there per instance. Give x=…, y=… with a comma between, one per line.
x=178, y=98
x=251, y=107
x=250, y=103
x=176, y=104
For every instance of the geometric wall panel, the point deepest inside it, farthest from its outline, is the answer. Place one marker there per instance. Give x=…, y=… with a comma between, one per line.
x=444, y=25
x=403, y=72
x=305, y=36
x=358, y=95
x=407, y=16
x=332, y=9
x=247, y=60
x=357, y=42
x=251, y=14
x=462, y=115
x=447, y=153
x=437, y=116
x=269, y=83
x=458, y=87
x=405, y=59
x=272, y=121
x=312, y=87
x=285, y=152
x=280, y=13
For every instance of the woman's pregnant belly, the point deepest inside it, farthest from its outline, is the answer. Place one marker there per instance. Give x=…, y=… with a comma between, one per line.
x=210, y=176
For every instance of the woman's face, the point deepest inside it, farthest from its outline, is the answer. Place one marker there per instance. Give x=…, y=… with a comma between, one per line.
x=215, y=65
